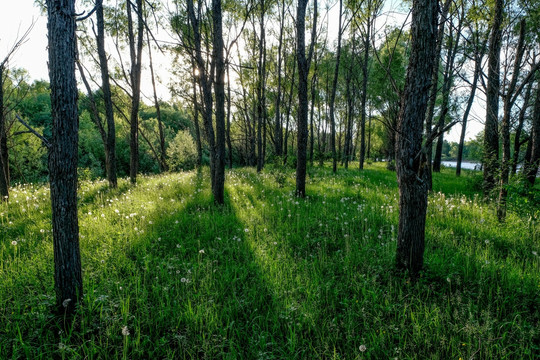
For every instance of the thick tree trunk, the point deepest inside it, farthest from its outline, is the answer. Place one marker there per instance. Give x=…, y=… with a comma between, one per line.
x=63, y=154
x=110, y=147
x=411, y=159
x=219, y=176
x=491, y=136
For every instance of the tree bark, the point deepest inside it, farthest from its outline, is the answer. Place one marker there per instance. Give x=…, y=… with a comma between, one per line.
x=411, y=158
x=4, y=155
x=228, y=130
x=278, y=130
x=219, y=176
x=491, y=137
x=135, y=51
x=110, y=148
x=63, y=154
x=531, y=167
x=333, y=93
x=519, y=128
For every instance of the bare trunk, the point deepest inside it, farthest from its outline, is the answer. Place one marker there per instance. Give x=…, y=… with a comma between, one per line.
x=4, y=155
x=110, y=147
x=491, y=136
x=63, y=155
x=519, y=128
x=333, y=93
x=411, y=160
x=531, y=166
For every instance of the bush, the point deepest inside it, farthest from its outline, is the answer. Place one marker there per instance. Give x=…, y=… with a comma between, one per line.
x=182, y=152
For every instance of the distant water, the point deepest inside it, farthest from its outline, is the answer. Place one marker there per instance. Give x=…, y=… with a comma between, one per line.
x=464, y=165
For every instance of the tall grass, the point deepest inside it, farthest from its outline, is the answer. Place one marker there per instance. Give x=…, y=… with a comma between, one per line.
x=168, y=275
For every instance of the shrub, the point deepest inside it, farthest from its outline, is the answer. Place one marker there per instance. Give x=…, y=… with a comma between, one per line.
x=182, y=152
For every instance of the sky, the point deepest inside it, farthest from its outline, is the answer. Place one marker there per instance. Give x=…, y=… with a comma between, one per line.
x=17, y=16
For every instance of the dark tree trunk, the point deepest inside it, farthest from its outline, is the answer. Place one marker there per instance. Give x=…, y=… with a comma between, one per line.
x=311, y=125
x=531, y=166
x=278, y=130
x=219, y=176
x=303, y=71
x=519, y=128
x=110, y=146
x=260, y=91
x=289, y=107
x=333, y=93
x=4, y=155
x=369, y=136
x=411, y=159
x=365, y=74
x=491, y=136
x=63, y=154
x=135, y=51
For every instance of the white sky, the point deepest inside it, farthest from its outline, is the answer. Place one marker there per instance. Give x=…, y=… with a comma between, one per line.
x=17, y=16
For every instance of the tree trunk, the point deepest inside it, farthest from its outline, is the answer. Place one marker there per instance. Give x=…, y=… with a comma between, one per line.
x=198, y=141
x=365, y=73
x=333, y=93
x=411, y=159
x=4, y=155
x=228, y=131
x=477, y=69
x=219, y=176
x=491, y=137
x=260, y=90
x=435, y=89
x=63, y=154
x=505, y=126
x=285, y=145
x=162, y=151
x=519, y=128
x=531, y=167
x=135, y=52
x=110, y=147
x=278, y=131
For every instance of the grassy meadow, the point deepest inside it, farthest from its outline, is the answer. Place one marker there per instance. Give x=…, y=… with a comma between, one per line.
x=168, y=275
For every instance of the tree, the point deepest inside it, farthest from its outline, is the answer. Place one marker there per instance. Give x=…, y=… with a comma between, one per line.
x=333, y=92
x=411, y=155
x=491, y=138
x=63, y=154
x=303, y=71
x=532, y=165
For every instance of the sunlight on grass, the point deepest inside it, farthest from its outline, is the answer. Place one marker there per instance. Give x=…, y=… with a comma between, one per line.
x=168, y=274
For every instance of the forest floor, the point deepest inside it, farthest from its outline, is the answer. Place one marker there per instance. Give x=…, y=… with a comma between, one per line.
x=169, y=275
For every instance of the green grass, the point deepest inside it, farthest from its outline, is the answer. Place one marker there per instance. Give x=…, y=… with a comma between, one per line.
x=271, y=276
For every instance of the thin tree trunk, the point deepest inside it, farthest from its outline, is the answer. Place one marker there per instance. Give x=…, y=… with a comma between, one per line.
x=411, y=160
x=228, y=133
x=162, y=151
x=435, y=89
x=289, y=107
x=519, y=128
x=4, y=155
x=477, y=69
x=135, y=51
x=278, y=130
x=531, y=166
x=63, y=155
x=198, y=141
x=333, y=92
x=505, y=126
x=110, y=148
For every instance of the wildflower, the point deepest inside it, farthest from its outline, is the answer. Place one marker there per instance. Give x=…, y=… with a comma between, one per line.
x=246, y=230
x=66, y=302
x=201, y=251
x=183, y=280
x=125, y=330
x=362, y=348
x=14, y=243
